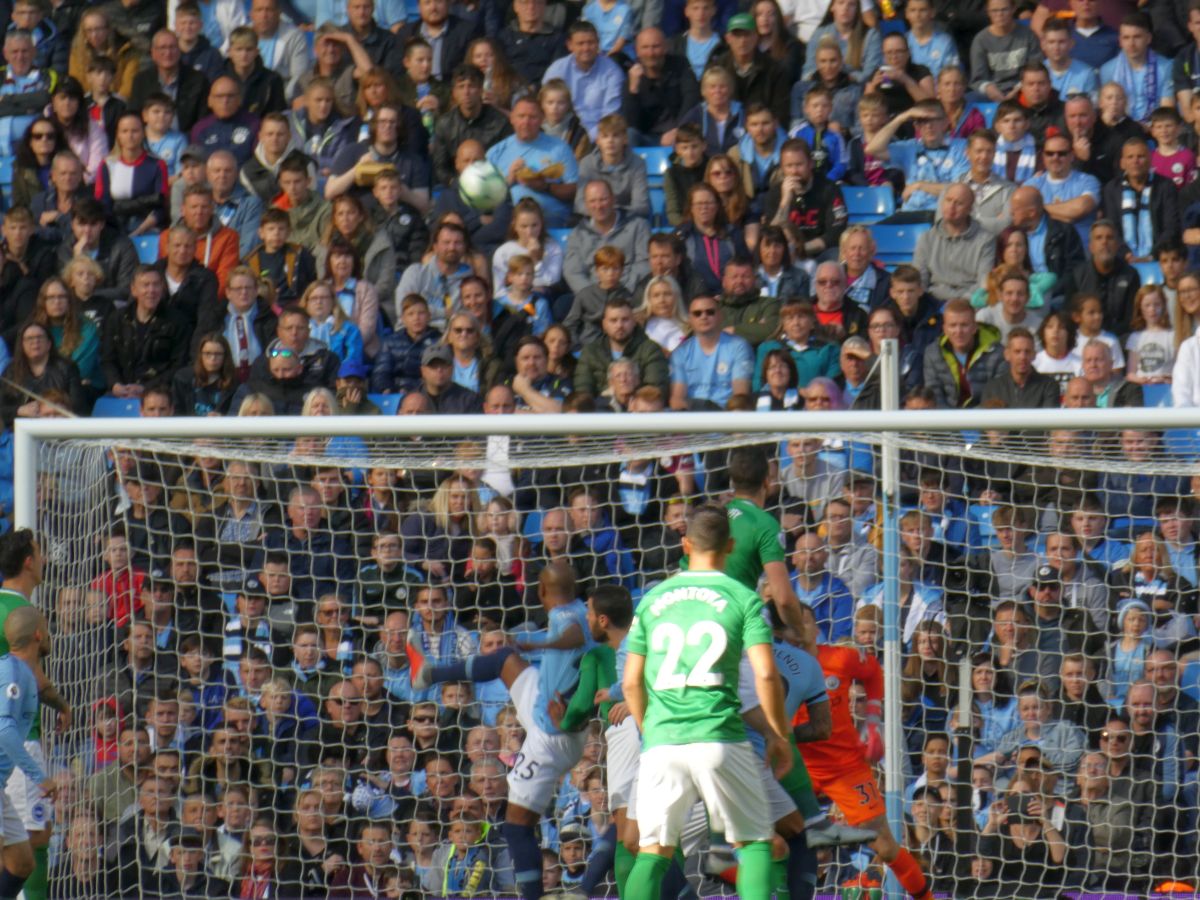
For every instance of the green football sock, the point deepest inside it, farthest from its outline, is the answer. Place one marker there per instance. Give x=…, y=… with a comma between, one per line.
x=623, y=862
x=36, y=886
x=779, y=870
x=645, y=879
x=799, y=786
x=755, y=871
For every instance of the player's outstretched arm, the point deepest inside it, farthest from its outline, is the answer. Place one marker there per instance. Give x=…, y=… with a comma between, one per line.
x=770, y=697
x=635, y=689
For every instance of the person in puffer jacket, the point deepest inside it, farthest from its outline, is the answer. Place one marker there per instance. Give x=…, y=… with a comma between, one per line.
x=963, y=359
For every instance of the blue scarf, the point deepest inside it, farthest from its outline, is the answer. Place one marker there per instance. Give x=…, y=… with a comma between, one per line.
x=1141, y=103
x=1136, y=226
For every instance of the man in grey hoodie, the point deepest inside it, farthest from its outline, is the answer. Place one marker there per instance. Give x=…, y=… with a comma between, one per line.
x=605, y=227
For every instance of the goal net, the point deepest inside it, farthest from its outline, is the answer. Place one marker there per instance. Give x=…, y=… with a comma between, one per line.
x=230, y=615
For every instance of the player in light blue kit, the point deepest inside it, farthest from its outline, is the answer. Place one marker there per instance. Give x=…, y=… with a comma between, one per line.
x=803, y=685
x=548, y=753
x=28, y=638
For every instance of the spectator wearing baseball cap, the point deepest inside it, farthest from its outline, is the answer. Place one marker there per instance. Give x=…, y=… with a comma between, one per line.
x=757, y=77
x=437, y=383
x=1059, y=631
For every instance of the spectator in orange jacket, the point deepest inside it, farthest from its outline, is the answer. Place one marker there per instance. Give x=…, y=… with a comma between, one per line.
x=216, y=245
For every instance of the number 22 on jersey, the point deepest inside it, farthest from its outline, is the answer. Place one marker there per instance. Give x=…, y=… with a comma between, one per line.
x=671, y=640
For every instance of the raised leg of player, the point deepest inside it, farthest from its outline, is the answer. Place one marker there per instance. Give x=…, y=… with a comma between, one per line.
x=505, y=663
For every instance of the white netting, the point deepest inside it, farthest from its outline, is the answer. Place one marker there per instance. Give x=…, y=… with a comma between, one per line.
x=345, y=534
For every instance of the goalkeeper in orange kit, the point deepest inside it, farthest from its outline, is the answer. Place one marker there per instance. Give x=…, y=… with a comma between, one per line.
x=840, y=767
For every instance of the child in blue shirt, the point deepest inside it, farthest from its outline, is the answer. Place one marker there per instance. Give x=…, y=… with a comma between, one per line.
x=517, y=297
x=158, y=114
x=828, y=149
x=614, y=24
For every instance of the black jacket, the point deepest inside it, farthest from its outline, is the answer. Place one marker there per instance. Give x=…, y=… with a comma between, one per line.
x=211, y=317
x=19, y=286
x=287, y=397
x=1165, y=219
x=262, y=89
x=117, y=257
x=454, y=400
x=531, y=54
x=455, y=38
x=660, y=102
x=136, y=353
x=136, y=22
x=452, y=128
x=766, y=81
x=1063, y=246
x=197, y=291
x=191, y=96
x=1116, y=290
x=1039, y=392
x=60, y=374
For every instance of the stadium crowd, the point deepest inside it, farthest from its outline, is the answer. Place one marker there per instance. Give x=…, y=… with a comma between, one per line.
x=222, y=207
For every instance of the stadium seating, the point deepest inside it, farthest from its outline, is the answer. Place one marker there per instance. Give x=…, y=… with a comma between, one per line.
x=1149, y=272
x=867, y=205
x=987, y=108
x=389, y=404
x=110, y=407
x=147, y=247
x=658, y=207
x=895, y=243
x=6, y=179
x=657, y=160
x=1156, y=395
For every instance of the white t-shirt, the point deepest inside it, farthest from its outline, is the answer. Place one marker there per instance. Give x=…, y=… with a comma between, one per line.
x=667, y=333
x=806, y=15
x=1118, y=355
x=1155, y=350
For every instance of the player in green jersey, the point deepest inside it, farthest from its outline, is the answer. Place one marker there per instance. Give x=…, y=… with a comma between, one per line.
x=681, y=685
x=21, y=566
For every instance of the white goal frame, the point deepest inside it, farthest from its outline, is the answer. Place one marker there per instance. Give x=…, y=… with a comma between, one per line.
x=31, y=434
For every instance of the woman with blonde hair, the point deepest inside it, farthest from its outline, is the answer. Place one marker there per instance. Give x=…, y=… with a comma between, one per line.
x=256, y=405
x=662, y=313
x=867, y=283
x=718, y=114
x=329, y=323
x=438, y=540
x=96, y=37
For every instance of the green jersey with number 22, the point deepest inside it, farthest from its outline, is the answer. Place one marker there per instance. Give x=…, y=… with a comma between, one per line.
x=692, y=630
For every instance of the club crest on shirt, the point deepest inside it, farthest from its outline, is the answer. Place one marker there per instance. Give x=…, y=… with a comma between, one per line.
x=832, y=682
x=13, y=691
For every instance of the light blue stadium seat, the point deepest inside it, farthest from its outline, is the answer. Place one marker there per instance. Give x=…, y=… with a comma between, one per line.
x=109, y=407
x=1150, y=273
x=1182, y=442
x=389, y=404
x=896, y=243
x=657, y=160
x=867, y=205
x=658, y=207
x=1156, y=395
x=147, y=248
x=988, y=109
